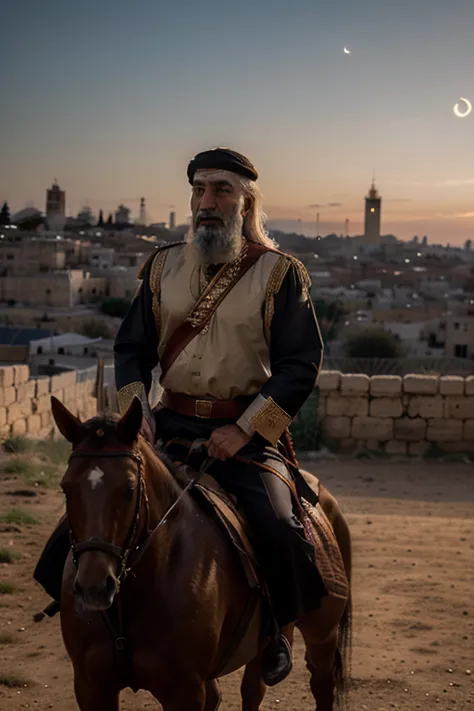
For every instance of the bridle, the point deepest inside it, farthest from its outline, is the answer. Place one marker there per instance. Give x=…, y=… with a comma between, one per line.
x=131, y=551
x=123, y=552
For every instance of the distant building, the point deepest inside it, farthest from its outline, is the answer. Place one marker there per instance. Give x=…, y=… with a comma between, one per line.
x=373, y=204
x=122, y=216
x=55, y=206
x=172, y=224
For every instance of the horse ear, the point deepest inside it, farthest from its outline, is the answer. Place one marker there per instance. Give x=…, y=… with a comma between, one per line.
x=70, y=426
x=130, y=423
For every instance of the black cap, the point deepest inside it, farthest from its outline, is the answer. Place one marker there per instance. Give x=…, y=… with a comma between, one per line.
x=222, y=159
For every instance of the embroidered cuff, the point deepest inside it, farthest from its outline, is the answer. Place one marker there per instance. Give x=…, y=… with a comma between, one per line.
x=126, y=394
x=265, y=417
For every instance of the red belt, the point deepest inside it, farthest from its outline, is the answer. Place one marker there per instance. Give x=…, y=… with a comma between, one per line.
x=206, y=407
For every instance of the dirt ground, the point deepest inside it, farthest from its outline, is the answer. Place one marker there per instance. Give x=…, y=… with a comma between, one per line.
x=413, y=540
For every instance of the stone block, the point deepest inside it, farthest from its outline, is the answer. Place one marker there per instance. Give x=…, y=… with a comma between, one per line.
x=421, y=384
x=469, y=385
x=14, y=412
x=468, y=430
x=329, y=380
x=7, y=396
x=3, y=416
x=457, y=447
x=5, y=432
x=337, y=427
x=372, y=428
x=347, y=446
x=57, y=383
x=386, y=407
x=21, y=374
x=7, y=376
x=339, y=405
x=426, y=406
x=33, y=425
x=41, y=404
x=459, y=408
x=321, y=407
x=451, y=385
x=18, y=428
x=372, y=444
x=418, y=449
x=42, y=386
x=442, y=430
x=386, y=385
x=355, y=384
x=46, y=419
x=70, y=394
x=25, y=391
x=396, y=446
x=410, y=429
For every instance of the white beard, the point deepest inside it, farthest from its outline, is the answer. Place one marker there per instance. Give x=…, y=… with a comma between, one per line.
x=216, y=244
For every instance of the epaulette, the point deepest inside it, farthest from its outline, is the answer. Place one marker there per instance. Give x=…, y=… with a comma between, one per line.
x=150, y=258
x=301, y=271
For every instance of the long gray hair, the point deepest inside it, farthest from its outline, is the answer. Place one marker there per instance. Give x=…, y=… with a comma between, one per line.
x=254, y=221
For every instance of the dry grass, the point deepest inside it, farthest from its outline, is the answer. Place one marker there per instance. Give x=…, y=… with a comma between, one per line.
x=7, y=589
x=8, y=556
x=14, y=681
x=18, y=517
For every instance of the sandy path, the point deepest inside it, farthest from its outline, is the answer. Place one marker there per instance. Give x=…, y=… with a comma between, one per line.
x=413, y=537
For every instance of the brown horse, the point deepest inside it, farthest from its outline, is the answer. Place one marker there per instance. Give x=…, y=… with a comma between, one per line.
x=153, y=593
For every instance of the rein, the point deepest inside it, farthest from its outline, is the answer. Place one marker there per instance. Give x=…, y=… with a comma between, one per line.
x=130, y=552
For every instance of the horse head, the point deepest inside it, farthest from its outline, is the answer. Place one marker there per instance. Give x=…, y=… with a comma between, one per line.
x=104, y=491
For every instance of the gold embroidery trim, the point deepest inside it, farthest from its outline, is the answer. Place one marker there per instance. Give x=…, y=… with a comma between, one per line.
x=274, y=283
x=215, y=291
x=126, y=394
x=270, y=421
x=155, y=286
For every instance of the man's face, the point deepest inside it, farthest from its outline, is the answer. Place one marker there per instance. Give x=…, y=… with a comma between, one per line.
x=215, y=200
x=217, y=206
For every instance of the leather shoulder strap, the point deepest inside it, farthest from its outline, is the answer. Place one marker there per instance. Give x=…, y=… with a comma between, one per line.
x=206, y=306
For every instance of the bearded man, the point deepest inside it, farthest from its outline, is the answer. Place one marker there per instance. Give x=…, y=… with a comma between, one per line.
x=230, y=321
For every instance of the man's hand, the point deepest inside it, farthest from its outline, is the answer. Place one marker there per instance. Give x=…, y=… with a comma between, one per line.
x=226, y=441
x=147, y=430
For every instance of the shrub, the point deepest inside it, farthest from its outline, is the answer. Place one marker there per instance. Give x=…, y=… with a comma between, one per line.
x=373, y=343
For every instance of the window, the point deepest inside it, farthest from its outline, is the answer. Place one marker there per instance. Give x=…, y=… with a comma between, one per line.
x=61, y=350
x=456, y=326
x=460, y=351
x=39, y=350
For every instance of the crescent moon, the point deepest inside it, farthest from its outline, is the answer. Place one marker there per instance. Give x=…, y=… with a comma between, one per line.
x=346, y=51
x=457, y=108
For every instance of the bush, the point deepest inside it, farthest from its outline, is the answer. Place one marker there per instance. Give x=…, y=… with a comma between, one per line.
x=115, y=307
x=95, y=328
x=373, y=343
x=306, y=428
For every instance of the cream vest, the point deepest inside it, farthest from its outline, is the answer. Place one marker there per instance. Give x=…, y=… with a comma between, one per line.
x=230, y=357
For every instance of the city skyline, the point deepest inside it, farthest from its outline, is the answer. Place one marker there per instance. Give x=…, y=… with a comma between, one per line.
x=114, y=101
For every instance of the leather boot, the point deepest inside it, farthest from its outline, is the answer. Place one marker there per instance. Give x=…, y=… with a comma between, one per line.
x=277, y=661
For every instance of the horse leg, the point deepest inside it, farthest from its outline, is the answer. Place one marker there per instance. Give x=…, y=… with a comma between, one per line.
x=320, y=661
x=253, y=688
x=213, y=695
x=320, y=630
x=95, y=697
x=187, y=698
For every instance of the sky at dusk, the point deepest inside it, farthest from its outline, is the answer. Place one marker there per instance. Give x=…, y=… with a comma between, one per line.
x=114, y=97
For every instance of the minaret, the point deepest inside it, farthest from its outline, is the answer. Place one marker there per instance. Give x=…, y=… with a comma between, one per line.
x=372, y=216
x=142, y=214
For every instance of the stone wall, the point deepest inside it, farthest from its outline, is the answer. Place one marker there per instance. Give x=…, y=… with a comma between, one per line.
x=25, y=406
x=399, y=415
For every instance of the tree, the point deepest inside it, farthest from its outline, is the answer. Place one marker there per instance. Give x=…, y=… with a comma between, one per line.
x=100, y=223
x=110, y=221
x=330, y=314
x=373, y=343
x=115, y=307
x=5, y=218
